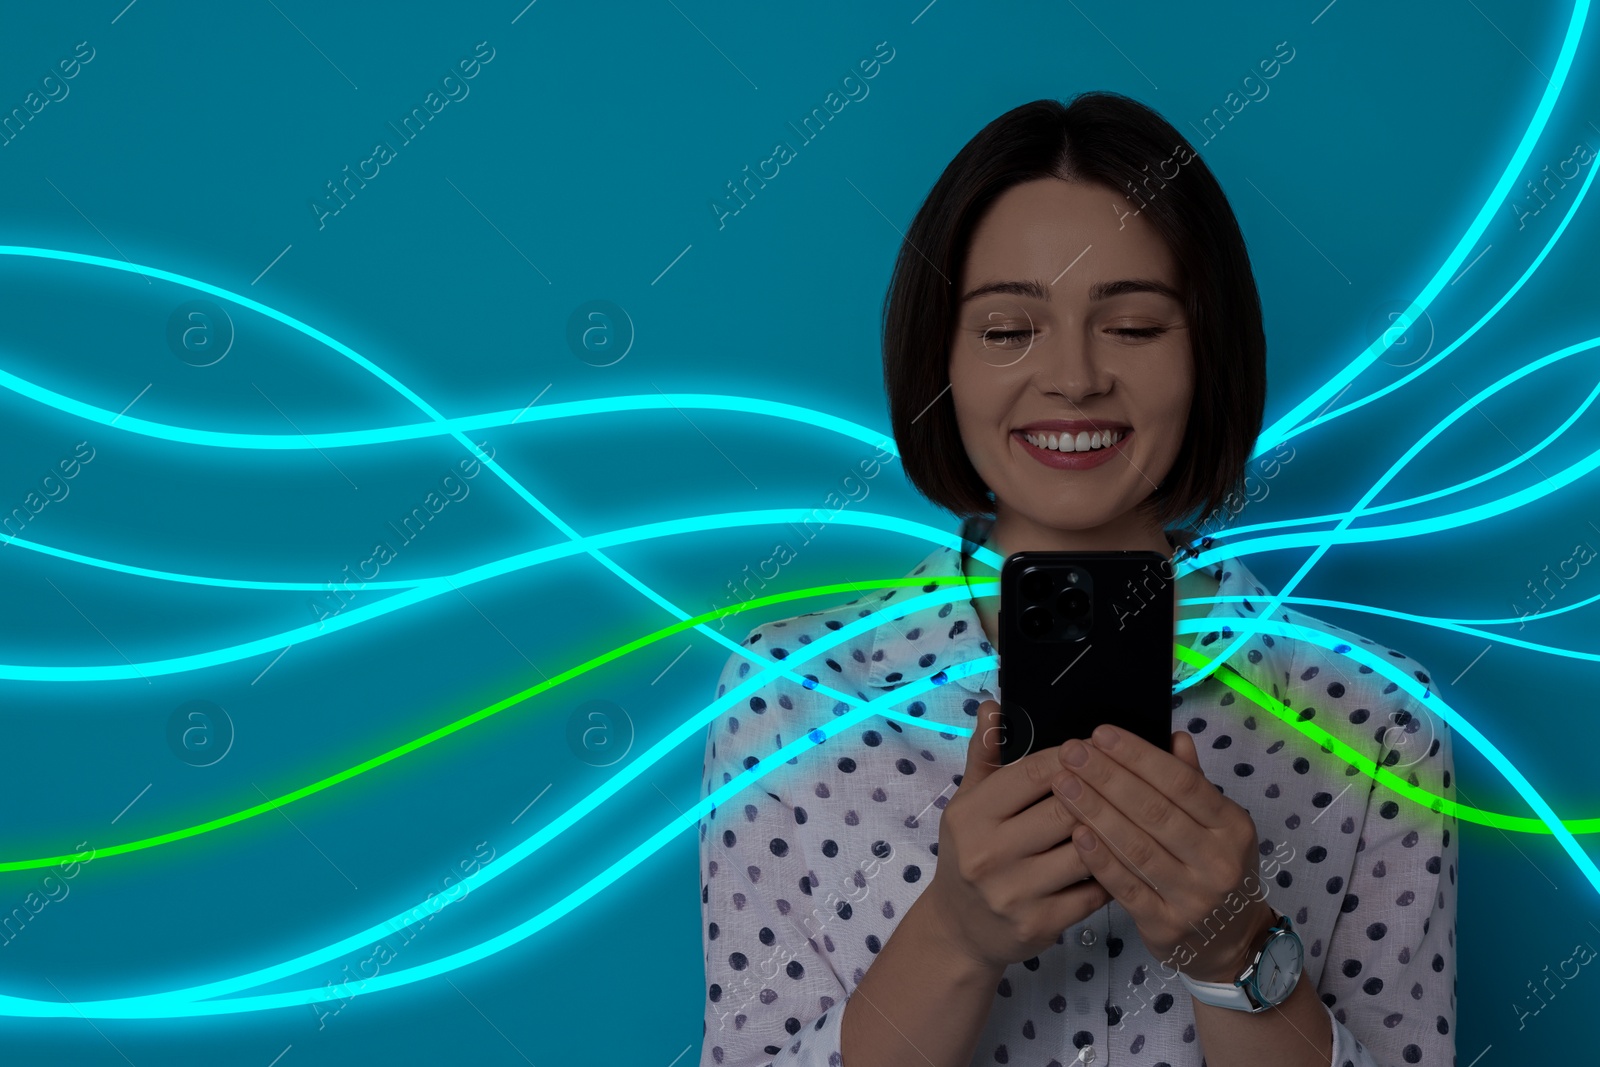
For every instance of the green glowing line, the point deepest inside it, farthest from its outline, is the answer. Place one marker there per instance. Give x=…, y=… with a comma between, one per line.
x=1464, y=812
x=477, y=716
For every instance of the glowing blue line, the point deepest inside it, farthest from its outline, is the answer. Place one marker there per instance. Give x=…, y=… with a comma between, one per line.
x=433, y=587
x=422, y=430
x=1585, y=602
x=1326, y=540
x=1386, y=390
x=163, y=1005
x=1523, y=457
x=196, y=579
x=1449, y=520
x=1469, y=240
x=1456, y=625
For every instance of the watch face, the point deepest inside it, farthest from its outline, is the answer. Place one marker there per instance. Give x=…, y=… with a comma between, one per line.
x=1279, y=970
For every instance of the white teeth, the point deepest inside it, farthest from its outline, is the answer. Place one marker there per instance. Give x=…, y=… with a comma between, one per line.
x=1081, y=442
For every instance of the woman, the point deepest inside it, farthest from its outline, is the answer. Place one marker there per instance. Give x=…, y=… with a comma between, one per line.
x=896, y=895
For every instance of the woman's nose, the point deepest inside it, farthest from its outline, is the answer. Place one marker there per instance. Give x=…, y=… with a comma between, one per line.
x=1068, y=366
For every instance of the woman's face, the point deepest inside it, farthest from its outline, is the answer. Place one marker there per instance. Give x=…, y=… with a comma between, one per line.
x=1071, y=322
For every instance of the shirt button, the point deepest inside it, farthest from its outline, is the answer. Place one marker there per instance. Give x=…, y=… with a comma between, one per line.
x=1087, y=936
x=1086, y=1054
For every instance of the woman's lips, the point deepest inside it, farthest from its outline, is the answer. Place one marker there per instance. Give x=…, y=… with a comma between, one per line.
x=1075, y=461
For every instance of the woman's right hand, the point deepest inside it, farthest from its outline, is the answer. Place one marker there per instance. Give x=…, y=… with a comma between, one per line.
x=1009, y=879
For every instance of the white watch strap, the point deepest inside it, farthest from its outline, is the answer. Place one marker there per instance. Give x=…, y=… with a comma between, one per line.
x=1218, y=994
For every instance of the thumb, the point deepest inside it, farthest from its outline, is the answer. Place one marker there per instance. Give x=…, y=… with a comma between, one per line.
x=1183, y=748
x=983, y=749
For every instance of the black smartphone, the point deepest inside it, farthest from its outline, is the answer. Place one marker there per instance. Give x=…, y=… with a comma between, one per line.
x=1086, y=638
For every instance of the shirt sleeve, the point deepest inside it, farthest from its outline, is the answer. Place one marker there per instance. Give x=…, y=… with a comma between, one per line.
x=772, y=995
x=1389, y=980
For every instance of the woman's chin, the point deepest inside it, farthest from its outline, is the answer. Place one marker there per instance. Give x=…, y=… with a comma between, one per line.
x=1070, y=517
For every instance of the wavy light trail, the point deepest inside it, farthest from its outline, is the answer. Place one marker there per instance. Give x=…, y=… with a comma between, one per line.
x=1423, y=498
x=1274, y=434
x=1459, y=341
x=745, y=405
x=1340, y=534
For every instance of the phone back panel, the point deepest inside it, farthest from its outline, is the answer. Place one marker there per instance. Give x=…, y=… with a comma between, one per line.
x=1109, y=662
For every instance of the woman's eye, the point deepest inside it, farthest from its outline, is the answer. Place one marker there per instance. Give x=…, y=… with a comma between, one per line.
x=1001, y=338
x=1139, y=332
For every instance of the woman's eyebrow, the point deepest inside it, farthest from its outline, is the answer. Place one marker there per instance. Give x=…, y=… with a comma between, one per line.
x=1099, y=291
x=1029, y=288
x=1107, y=290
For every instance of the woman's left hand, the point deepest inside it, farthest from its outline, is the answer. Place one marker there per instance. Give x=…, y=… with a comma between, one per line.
x=1169, y=847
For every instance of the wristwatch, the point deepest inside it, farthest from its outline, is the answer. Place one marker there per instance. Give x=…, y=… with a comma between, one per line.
x=1267, y=979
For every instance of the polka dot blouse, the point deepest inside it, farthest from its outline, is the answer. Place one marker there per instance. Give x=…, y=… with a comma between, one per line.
x=808, y=871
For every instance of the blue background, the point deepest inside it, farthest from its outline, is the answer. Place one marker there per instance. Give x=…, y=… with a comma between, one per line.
x=581, y=166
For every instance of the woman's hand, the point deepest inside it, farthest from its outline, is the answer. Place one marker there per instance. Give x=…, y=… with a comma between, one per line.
x=1169, y=847
x=1008, y=880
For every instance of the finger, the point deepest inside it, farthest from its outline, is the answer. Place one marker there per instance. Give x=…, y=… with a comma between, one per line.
x=1183, y=748
x=1051, y=871
x=1132, y=892
x=1141, y=804
x=983, y=748
x=1180, y=782
x=1015, y=785
x=1037, y=829
x=1075, y=902
x=1128, y=861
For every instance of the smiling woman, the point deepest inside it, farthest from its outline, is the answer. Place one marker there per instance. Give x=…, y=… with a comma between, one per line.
x=1066, y=377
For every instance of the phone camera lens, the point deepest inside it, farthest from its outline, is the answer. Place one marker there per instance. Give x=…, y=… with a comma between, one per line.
x=1036, y=621
x=1035, y=585
x=1073, y=603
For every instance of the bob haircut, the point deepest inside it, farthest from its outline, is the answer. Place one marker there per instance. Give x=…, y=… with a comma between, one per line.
x=1110, y=139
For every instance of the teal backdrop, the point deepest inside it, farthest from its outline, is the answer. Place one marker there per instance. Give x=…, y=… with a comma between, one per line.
x=487, y=208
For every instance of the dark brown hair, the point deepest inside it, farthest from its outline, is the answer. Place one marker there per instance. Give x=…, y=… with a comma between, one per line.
x=1116, y=141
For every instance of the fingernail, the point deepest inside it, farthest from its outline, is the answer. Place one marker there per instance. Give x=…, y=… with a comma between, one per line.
x=1070, y=786
x=1105, y=736
x=1077, y=753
